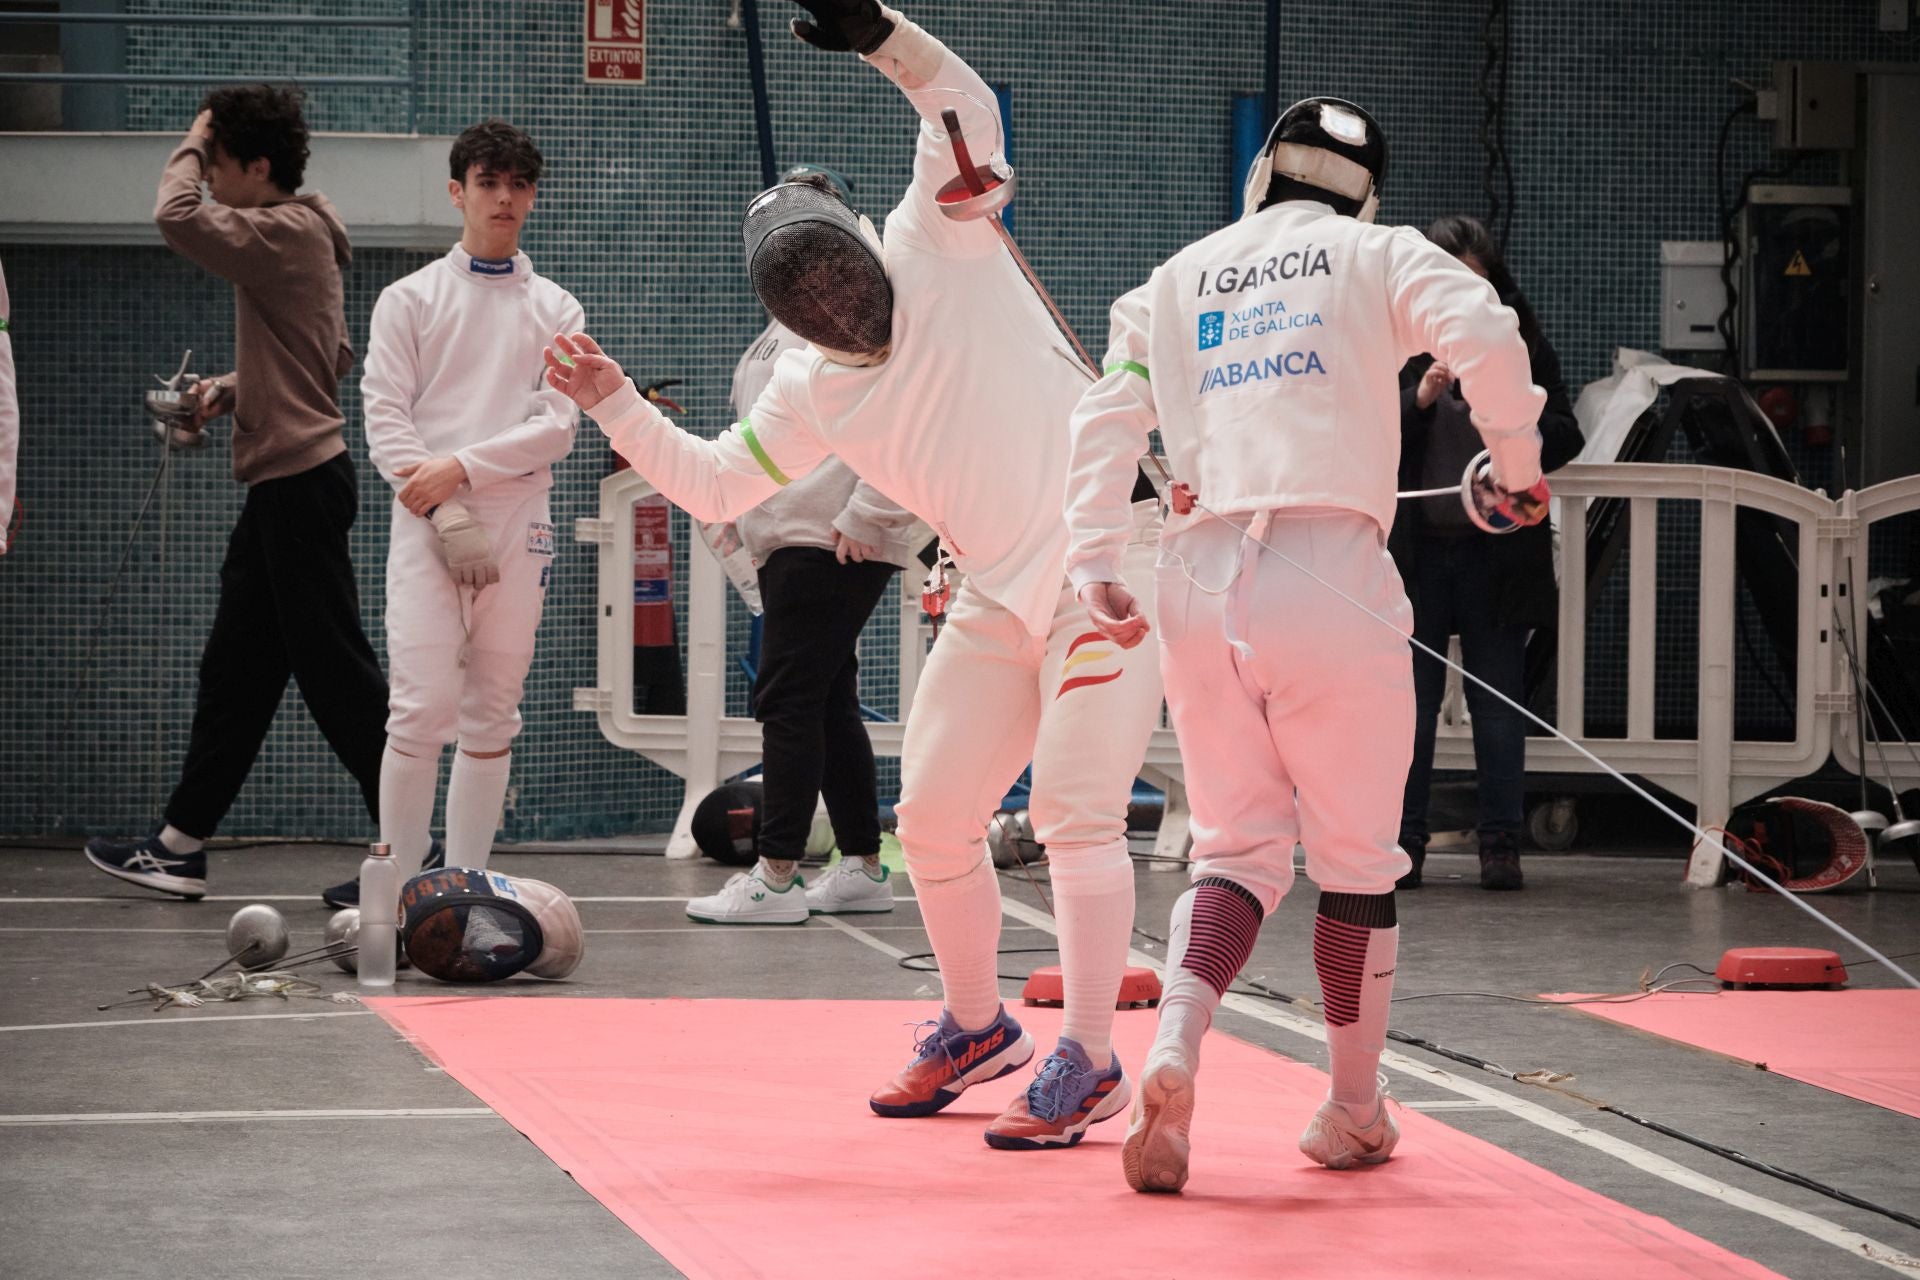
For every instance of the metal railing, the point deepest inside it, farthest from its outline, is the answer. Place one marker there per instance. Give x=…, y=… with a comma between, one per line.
x=408, y=23
x=1712, y=769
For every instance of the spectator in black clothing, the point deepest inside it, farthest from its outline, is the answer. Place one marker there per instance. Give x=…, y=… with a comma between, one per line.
x=1490, y=591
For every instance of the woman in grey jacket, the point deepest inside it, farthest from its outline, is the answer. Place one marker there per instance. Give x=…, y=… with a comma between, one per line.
x=824, y=548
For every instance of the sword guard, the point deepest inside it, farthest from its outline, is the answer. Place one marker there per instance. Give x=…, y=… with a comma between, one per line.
x=937, y=592
x=1181, y=497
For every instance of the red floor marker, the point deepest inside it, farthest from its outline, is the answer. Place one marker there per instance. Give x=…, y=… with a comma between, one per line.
x=1864, y=1044
x=734, y=1136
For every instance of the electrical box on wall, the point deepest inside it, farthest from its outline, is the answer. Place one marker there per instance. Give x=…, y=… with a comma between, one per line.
x=1692, y=294
x=1796, y=283
x=1816, y=105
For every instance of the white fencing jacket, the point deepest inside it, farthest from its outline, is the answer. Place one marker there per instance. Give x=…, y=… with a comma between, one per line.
x=1268, y=355
x=807, y=512
x=965, y=424
x=454, y=369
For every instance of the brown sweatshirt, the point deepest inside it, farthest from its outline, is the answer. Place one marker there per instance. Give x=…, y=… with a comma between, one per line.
x=290, y=330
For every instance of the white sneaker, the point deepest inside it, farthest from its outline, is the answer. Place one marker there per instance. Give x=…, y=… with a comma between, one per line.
x=846, y=888
x=1155, y=1153
x=1339, y=1139
x=747, y=899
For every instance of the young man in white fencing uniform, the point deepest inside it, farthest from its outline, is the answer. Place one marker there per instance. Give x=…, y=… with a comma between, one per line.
x=936, y=373
x=1267, y=355
x=462, y=426
x=824, y=548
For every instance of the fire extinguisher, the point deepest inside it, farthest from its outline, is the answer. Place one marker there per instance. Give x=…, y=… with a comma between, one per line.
x=659, y=688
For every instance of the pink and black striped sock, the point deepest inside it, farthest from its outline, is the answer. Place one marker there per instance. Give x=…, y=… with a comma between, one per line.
x=1356, y=939
x=1215, y=924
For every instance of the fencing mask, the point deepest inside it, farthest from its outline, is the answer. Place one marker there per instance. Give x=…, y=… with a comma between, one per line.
x=1809, y=847
x=1327, y=144
x=817, y=268
x=726, y=824
x=462, y=925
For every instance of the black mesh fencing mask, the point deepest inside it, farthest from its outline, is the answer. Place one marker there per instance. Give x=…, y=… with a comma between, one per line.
x=815, y=269
x=464, y=925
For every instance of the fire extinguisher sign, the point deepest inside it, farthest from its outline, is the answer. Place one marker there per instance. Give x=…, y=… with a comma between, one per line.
x=652, y=572
x=616, y=41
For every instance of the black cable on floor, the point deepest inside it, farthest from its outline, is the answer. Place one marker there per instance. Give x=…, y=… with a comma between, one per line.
x=906, y=962
x=1761, y=1166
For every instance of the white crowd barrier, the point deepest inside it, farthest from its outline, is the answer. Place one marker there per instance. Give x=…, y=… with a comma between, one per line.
x=1712, y=770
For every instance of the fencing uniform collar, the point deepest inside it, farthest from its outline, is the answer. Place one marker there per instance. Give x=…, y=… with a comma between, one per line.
x=490, y=270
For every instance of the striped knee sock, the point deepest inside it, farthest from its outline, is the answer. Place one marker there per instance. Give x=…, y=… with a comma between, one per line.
x=1356, y=937
x=1214, y=927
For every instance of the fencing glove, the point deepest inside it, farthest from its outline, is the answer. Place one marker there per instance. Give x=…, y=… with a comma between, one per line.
x=464, y=545
x=839, y=25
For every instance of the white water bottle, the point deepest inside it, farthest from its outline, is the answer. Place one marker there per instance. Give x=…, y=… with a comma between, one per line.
x=379, y=917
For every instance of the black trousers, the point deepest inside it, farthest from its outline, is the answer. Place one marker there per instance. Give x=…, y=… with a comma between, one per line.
x=807, y=700
x=288, y=607
x=1452, y=594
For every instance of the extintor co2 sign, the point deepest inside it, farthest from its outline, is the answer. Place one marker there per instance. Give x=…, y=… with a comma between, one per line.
x=616, y=41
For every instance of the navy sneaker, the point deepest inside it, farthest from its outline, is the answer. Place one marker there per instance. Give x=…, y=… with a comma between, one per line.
x=149, y=864
x=947, y=1060
x=348, y=894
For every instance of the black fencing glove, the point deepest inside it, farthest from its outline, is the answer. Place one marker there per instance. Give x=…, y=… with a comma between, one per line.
x=839, y=25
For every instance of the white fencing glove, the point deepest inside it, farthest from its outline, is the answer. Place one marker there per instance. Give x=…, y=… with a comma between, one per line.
x=464, y=545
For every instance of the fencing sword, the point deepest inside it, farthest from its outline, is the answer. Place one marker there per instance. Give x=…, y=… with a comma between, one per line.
x=970, y=198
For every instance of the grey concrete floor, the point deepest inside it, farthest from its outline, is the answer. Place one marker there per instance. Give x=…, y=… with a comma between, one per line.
x=153, y=1194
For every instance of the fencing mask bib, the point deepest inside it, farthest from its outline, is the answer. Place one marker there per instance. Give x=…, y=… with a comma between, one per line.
x=817, y=269
x=462, y=925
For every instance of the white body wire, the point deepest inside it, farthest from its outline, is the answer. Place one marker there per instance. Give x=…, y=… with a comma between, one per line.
x=1622, y=778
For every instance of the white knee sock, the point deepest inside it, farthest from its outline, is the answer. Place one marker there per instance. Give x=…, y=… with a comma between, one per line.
x=1093, y=903
x=475, y=794
x=962, y=919
x=408, y=781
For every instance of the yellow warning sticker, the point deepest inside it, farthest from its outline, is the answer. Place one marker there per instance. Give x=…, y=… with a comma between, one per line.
x=1799, y=267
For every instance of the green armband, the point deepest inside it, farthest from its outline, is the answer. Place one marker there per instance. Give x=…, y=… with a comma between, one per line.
x=760, y=454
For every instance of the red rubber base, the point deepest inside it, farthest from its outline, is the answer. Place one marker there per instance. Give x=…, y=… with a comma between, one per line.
x=1781, y=967
x=1139, y=988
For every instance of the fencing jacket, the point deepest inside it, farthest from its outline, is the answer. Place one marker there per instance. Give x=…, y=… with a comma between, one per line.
x=454, y=369
x=964, y=424
x=807, y=512
x=1268, y=356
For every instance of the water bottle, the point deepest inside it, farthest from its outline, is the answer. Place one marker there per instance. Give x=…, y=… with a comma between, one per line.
x=379, y=914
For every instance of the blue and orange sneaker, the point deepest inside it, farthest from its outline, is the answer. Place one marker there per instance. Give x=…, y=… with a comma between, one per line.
x=1068, y=1095
x=948, y=1060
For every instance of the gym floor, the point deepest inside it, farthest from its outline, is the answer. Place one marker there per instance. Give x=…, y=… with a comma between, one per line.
x=334, y=1142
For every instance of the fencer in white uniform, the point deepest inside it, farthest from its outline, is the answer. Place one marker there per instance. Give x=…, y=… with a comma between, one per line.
x=1266, y=354
x=462, y=425
x=953, y=401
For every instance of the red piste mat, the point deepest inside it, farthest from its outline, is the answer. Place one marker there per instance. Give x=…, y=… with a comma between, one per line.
x=734, y=1137
x=1862, y=1043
